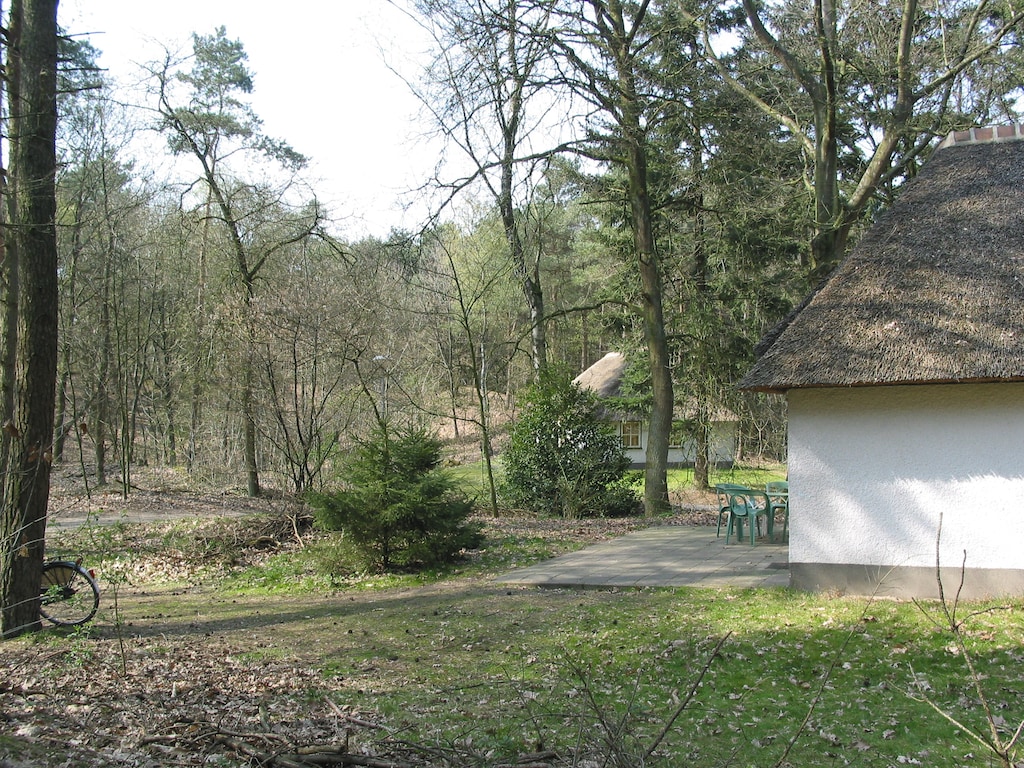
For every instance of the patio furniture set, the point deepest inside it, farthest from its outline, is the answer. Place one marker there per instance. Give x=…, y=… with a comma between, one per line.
x=738, y=504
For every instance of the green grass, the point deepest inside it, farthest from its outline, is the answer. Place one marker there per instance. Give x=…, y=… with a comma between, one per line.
x=517, y=668
x=753, y=477
x=317, y=569
x=473, y=478
x=821, y=679
x=800, y=679
x=682, y=479
x=327, y=564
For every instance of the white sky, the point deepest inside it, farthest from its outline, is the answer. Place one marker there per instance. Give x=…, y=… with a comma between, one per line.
x=321, y=84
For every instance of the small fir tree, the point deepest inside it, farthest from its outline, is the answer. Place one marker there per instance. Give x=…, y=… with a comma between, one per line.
x=399, y=508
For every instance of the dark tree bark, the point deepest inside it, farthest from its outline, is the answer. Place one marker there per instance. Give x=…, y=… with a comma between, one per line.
x=610, y=76
x=510, y=115
x=32, y=69
x=619, y=41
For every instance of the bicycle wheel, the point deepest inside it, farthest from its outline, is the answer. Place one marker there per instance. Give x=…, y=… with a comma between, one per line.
x=69, y=594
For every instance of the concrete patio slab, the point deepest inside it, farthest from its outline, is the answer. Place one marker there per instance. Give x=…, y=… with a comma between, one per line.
x=662, y=556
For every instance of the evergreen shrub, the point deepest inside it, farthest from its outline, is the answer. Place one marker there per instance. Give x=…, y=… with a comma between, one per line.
x=562, y=458
x=398, y=507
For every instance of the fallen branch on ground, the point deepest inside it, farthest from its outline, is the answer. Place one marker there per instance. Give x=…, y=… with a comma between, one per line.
x=258, y=747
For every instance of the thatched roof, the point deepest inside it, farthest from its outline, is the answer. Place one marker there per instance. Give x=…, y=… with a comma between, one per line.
x=604, y=377
x=933, y=293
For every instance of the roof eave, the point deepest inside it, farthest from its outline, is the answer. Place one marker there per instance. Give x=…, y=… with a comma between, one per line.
x=783, y=388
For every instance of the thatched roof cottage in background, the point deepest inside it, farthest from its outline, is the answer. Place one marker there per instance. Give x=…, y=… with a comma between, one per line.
x=904, y=375
x=604, y=378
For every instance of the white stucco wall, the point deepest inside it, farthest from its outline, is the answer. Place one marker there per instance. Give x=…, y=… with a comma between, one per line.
x=871, y=469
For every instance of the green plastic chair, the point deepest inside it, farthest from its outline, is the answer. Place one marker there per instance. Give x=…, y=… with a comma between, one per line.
x=747, y=505
x=778, y=501
x=724, y=490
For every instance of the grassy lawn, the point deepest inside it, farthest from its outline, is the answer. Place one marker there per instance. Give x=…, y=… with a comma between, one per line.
x=473, y=477
x=454, y=660
x=753, y=477
x=843, y=680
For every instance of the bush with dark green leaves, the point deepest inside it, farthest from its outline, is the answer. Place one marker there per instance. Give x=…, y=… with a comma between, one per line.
x=398, y=507
x=562, y=458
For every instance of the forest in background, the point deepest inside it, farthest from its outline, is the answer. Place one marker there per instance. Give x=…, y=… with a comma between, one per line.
x=665, y=179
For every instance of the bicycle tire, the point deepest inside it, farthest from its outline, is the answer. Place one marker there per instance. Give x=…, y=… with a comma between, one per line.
x=69, y=595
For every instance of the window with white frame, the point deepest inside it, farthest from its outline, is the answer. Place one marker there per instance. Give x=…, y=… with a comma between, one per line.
x=630, y=431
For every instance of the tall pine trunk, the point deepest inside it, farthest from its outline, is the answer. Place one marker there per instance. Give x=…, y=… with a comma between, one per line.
x=656, y=500
x=32, y=70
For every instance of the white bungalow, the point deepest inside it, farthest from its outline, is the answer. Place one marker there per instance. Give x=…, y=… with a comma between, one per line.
x=605, y=379
x=904, y=375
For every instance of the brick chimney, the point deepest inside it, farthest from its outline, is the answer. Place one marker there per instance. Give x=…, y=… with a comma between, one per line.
x=988, y=135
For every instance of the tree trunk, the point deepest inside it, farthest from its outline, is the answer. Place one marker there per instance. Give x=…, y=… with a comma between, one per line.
x=103, y=374
x=529, y=278
x=656, y=498
x=32, y=68
x=699, y=380
x=252, y=471
x=167, y=389
x=8, y=366
x=830, y=224
x=702, y=455
x=635, y=145
x=198, y=330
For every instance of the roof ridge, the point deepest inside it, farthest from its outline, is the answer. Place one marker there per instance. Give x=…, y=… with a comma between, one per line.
x=986, y=135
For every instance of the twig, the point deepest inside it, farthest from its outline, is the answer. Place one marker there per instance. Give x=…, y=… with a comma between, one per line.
x=294, y=518
x=689, y=696
x=308, y=756
x=821, y=688
x=1003, y=750
x=158, y=738
x=351, y=718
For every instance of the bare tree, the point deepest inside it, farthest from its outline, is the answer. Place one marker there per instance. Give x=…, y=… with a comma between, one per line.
x=307, y=325
x=458, y=293
x=591, y=59
x=491, y=95
x=204, y=114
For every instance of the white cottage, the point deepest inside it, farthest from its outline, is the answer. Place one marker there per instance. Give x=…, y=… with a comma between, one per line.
x=604, y=378
x=904, y=376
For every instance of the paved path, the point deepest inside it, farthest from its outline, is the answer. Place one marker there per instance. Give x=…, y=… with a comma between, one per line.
x=662, y=556
x=149, y=507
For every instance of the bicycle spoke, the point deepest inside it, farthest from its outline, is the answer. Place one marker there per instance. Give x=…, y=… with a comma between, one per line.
x=69, y=595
